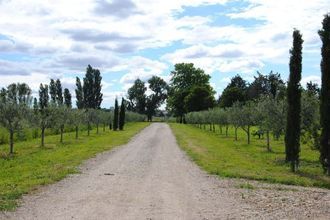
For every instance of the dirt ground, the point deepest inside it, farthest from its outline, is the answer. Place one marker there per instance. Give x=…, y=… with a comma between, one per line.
x=151, y=178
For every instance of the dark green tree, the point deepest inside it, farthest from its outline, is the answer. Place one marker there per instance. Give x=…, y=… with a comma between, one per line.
x=234, y=92
x=122, y=115
x=52, y=91
x=159, y=90
x=92, y=95
x=59, y=92
x=199, y=98
x=79, y=94
x=325, y=95
x=137, y=97
x=116, y=116
x=67, y=98
x=292, y=136
x=313, y=89
x=184, y=77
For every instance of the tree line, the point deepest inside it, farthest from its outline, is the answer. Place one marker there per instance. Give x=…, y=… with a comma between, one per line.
x=53, y=109
x=275, y=107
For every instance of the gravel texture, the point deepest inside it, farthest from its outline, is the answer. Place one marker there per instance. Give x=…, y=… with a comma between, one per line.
x=151, y=178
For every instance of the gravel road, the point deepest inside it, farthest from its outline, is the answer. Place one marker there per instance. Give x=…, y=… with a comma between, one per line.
x=151, y=178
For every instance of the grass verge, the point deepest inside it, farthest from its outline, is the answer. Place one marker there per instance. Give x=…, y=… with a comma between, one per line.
x=32, y=166
x=221, y=155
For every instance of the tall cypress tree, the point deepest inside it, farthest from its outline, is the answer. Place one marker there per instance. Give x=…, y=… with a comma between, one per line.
x=79, y=94
x=325, y=95
x=292, y=136
x=52, y=91
x=122, y=115
x=59, y=93
x=115, y=116
x=67, y=98
x=98, y=96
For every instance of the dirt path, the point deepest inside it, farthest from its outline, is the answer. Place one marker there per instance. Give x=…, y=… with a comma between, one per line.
x=151, y=178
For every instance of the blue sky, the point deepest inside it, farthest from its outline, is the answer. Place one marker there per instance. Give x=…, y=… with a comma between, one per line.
x=129, y=39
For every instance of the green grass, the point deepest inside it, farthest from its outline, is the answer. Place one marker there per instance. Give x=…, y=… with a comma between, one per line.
x=32, y=166
x=221, y=155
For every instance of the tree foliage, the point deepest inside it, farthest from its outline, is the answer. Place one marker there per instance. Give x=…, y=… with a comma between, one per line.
x=325, y=94
x=292, y=137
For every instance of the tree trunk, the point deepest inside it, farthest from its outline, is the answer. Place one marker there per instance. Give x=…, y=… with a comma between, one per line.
x=103, y=127
x=77, y=132
x=268, y=142
x=110, y=126
x=220, y=128
x=42, y=136
x=294, y=166
x=11, y=147
x=248, y=134
x=88, y=128
x=97, y=128
x=210, y=126
x=213, y=127
x=61, y=130
x=235, y=133
x=227, y=130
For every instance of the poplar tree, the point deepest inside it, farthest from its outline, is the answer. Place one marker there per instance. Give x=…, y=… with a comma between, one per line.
x=115, y=117
x=122, y=115
x=52, y=91
x=67, y=98
x=292, y=136
x=59, y=93
x=325, y=95
x=79, y=94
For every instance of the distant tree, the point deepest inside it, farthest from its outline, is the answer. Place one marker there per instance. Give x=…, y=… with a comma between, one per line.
x=116, y=116
x=199, y=98
x=59, y=92
x=137, y=97
x=184, y=77
x=79, y=94
x=44, y=116
x=234, y=116
x=67, y=98
x=292, y=136
x=270, y=85
x=234, y=92
x=270, y=117
x=13, y=109
x=159, y=90
x=247, y=118
x=76, y=119
x=313, y=89
x=92, y=95
x=61, y=115
x=122, y=115
x=52, y=91
x=325, y=95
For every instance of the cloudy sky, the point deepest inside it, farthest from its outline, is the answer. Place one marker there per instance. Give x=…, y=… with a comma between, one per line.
x=127, y=39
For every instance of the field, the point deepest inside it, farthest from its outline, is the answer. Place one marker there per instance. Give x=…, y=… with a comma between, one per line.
x=221, y=155
x=32, y=166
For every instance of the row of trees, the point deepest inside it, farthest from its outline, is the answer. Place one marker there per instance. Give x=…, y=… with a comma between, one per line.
x=140, y=102
x=276, y=108
x=53, y=108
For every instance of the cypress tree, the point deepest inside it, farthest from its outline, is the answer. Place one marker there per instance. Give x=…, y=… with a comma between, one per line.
x=122, y=115
x=98, y=96
x=59, y=94
x=292, y=136
x=67, y=98
x=88, y=88
x=79, y=94
x=52, y=91
x=325, y=95
x=115, y=117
